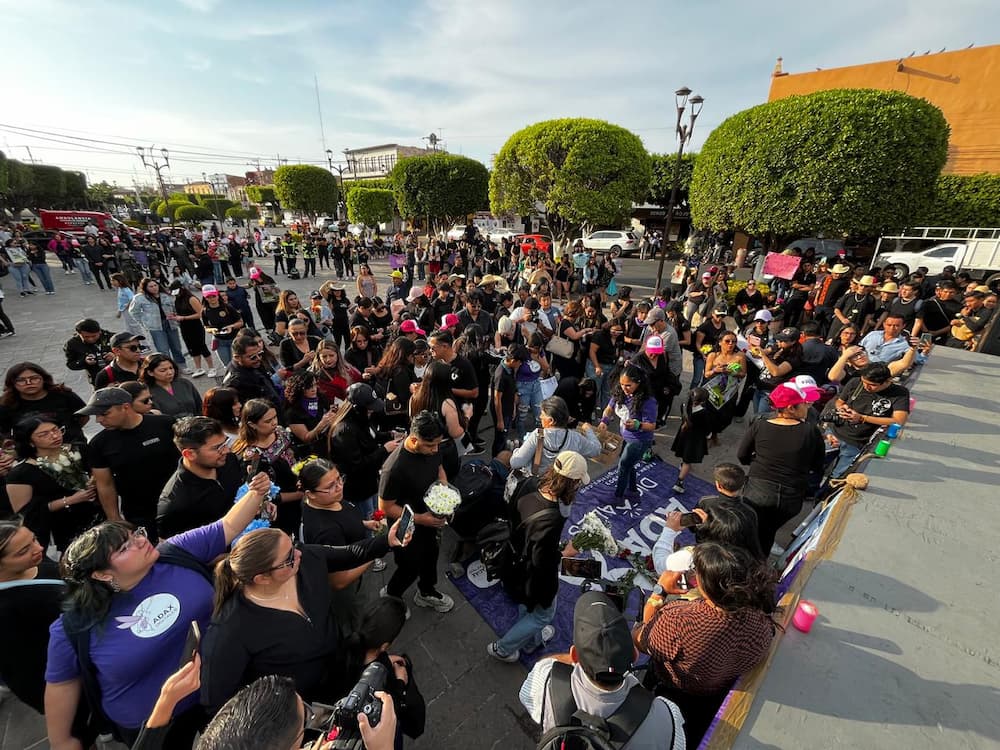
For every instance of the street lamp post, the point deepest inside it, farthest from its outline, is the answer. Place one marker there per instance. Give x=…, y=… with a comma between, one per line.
x=340, y=174
x=684, y=131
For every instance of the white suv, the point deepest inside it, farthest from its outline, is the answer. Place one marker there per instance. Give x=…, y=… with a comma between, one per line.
x=615, y=241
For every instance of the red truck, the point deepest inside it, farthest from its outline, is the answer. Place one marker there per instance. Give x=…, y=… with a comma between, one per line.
x=73, y=222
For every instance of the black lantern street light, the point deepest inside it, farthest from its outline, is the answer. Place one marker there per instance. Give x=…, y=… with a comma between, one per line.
x=684, y=131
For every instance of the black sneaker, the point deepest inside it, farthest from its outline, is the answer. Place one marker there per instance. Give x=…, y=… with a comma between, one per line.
x=476, y=450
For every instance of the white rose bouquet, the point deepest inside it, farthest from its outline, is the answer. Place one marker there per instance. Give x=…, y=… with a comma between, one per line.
x=442, y=499
x=594, y=534
x=66, y=468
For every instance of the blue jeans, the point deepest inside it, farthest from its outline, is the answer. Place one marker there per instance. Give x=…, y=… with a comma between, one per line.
x=217, y=272
x=530, y=395
x=20, y=274
x=44, y=275
x=602, y=380
x=847, y=455
x=761, y=402
x=526, y=633
x=631, y=455
x=84, y=268
x=698, y=374
x=168, y=342
x=224, y=348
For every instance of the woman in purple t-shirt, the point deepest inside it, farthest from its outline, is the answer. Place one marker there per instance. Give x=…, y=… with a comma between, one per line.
x=633, y=403
x=134, y=611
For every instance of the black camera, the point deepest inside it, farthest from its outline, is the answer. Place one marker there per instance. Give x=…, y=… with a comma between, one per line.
x=362, y=699
x=832, y=418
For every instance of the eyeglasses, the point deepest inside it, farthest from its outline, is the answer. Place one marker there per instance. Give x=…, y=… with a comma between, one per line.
x=338, y=482
x=220, y=448
x=289, y=561
x=139, y=533
x=253, y=356
x=130, y=348
x=26, y=379
x=51, y=432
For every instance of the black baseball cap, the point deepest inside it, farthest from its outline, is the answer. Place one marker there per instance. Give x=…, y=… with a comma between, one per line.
x=124, y=338
x=787, y=334
x=602, y=638
x=362, y=396
x=103, y=399
x=519, y=352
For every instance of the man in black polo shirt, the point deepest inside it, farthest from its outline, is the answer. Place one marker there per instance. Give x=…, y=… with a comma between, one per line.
x=124, y=366
x=132, y=458
x=406, y=475
x=203, y=488
x=969, y=321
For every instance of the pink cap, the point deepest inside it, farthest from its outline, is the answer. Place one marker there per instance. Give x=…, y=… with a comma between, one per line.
x=789, y=394
x=807, y=384
x=450, y=320
x=654, y=345
x=254, y=273
x=409, y=326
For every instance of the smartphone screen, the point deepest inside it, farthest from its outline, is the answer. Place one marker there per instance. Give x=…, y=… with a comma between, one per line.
x=252, y=466
x=690, y=519
x=581, y=567
x=405, y=521
x=926, y=338
x=191, y=644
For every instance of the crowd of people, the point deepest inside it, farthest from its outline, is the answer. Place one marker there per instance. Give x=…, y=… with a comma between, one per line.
x=256, y=507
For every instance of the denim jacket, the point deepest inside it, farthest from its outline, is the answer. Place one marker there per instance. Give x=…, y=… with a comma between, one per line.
x=146, y=312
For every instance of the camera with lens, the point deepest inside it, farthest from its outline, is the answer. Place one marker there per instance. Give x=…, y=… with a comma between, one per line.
x=361, y=699
x=832, y=418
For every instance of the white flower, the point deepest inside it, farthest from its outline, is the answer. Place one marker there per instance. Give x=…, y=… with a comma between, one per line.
x=442, y=499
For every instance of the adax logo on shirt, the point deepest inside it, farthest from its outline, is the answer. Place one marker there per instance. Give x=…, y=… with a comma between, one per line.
x=152, y=617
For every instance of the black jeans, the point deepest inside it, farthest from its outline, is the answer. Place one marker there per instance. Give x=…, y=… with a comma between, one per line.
x=8, y=326
x=310, y=266
x=776, y=504
x=417, y=561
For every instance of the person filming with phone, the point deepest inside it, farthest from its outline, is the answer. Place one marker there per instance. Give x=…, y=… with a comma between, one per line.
x=273, y=614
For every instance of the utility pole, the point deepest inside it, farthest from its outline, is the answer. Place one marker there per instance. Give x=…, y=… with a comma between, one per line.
x=150, y=162
x=319, y=111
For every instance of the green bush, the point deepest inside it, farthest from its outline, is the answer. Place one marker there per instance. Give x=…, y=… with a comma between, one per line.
x=845, y=161
x=370, y=206
x=191, y=213
x=964, y=201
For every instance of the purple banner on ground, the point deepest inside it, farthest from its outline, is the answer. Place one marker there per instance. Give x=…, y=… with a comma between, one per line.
x=636, y=525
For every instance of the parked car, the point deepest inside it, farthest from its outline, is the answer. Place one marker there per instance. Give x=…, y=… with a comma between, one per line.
x=979, y=257
x=614, y=241
x=326, y=222
x=496, y=236
x=456, y=233
x=531, y=242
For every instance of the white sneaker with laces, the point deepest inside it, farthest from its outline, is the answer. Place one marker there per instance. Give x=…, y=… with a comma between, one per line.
x=492, y=650
x=211, y=372
x=440, y=603
x=197, y=373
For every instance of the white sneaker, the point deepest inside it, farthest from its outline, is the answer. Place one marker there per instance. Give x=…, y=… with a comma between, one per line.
x=440, y=603
x=491, y=649
x=211, y=372
x=195, y=373
x=378, y=566
x=548, y=633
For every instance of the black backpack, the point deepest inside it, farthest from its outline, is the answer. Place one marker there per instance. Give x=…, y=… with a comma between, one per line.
x=577, y=730
x=501, y=549
x=78, y=633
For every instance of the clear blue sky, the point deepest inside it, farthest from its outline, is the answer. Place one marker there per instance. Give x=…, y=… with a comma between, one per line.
x=236, y=78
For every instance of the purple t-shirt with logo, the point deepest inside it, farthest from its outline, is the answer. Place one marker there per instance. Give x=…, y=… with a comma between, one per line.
x=140, y=643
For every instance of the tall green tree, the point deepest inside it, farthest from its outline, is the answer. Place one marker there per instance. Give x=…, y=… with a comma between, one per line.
x=20, y=184
x=306, y=188
x=4, y=171
x=370, y=206
x=168, y=209
x=48, y=185
x=840, y=162
x=443, y=187
x=76, y=189
x=663, y=177
x=964, y=201
x=101, y=194
x=183, y=197
x=583, y=172
x=216, y=204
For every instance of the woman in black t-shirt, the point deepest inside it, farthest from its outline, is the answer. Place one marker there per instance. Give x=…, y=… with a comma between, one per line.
x=30, y=389
x=308, y=415
x=51, y=486
x=781, y=452
x=31, y=592
x=328, y=519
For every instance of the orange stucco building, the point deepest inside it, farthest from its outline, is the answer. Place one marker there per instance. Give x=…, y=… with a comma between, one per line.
x=964, y=84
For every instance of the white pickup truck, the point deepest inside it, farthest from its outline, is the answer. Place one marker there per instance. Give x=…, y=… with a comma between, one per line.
x=979, y=256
